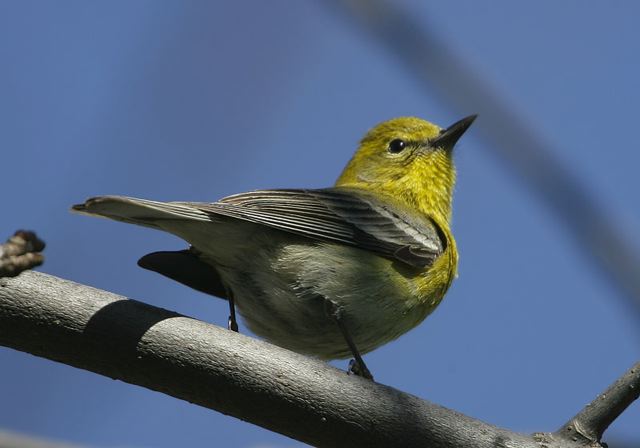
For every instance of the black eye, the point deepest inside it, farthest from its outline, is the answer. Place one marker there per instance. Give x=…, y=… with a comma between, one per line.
x=397, y=145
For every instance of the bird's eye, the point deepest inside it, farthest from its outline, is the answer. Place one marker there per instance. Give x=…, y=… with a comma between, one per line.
x=397, y=145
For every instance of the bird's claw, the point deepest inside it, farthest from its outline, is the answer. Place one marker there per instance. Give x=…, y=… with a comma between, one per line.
x=355, y=368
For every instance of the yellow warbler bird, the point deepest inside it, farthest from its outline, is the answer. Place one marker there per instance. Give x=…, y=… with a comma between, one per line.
x=333, y=272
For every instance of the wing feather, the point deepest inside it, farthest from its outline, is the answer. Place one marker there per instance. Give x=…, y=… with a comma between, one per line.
x=345, y=216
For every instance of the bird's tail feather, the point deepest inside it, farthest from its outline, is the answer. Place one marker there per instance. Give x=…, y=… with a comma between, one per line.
x=142, y=212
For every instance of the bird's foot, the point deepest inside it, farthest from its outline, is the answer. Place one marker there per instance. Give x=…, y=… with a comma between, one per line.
x=359, y=369
x=232, y=325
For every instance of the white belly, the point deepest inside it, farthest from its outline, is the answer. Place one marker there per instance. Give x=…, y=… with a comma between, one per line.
x=282, y=297
x=280, y=289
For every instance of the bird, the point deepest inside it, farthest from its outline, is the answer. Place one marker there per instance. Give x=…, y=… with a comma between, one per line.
x=332, y=273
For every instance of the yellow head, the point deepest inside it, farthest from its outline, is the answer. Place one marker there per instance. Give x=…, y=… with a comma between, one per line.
x=411, y=160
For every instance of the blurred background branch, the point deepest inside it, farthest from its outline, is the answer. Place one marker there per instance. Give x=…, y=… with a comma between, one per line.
x=513, y=140
x=11, y=439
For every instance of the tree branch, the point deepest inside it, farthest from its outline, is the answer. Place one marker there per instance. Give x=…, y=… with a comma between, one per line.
x=20, y=252
x=592, y=421
x=285, y=392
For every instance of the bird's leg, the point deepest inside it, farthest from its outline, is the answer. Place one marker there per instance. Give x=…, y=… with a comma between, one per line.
x=233, y=323
x=356, y=365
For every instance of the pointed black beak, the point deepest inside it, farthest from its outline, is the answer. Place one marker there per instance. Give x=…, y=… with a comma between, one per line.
x=448, y=137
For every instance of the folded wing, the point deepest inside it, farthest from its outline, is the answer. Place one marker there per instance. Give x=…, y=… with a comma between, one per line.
x=345, y=216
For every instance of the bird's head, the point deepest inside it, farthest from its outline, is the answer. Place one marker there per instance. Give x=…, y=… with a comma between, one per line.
x=410, y=159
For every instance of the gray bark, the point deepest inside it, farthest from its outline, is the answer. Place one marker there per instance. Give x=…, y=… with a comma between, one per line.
x=283, y=391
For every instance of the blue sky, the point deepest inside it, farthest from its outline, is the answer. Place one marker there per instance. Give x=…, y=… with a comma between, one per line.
x=196, y=100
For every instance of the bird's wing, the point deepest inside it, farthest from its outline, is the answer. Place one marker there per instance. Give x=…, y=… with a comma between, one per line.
x=344, y=216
